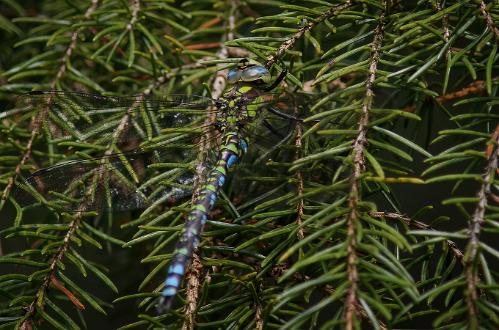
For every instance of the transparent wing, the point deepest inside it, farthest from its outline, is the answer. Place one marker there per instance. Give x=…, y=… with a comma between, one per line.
x=101, y=119
x=137, y=151
x=118, y=182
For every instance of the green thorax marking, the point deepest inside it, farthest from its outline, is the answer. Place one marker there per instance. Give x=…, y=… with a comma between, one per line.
x=240, y=106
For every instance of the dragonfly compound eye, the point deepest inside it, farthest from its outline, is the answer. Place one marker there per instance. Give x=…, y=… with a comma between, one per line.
x=256, y=72
x=234, y=75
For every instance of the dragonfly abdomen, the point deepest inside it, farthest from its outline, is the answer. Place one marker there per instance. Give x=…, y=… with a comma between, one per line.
x=231, y=150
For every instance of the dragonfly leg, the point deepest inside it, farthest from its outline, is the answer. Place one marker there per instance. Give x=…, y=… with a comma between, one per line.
x=276, y=82
x=272, y=129
x=282, y=114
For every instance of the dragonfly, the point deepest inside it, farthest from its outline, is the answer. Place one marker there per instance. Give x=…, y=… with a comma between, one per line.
x=143, y=136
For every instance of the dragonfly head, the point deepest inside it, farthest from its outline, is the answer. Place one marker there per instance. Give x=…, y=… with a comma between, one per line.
x=249, y=73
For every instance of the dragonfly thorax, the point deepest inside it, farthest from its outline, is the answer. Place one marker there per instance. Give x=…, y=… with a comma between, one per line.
x=237, y=107
x=232, y=116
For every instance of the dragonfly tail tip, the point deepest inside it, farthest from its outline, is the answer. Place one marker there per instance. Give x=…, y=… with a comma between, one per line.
x=164, y=304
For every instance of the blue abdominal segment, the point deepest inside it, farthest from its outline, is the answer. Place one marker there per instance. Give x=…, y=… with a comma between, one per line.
x=228, y=156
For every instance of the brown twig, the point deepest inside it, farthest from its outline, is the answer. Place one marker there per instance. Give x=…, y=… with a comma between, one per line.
x=259, y=325
x=488, y=19
x=193, y=277
x=135, y=12
x=299, y=183
x=458, y=254
x=474, y=231
x=205, y=45
x=445, y=23
x=359, y=145
x=210, y=23
x=288, y=44
x=476, y=87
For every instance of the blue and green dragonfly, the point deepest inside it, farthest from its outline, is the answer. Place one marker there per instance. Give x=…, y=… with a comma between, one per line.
x=148, y=138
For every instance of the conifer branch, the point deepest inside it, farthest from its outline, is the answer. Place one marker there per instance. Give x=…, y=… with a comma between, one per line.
x=193, y=277
x=41, y=116
x=475, y=228
x=359, y=146
x=458, y=254
x=445, y=25
x=299, y=183
x=72, y=46
x=75, y=223
x=289, y=43
x=56, y=258
x=135, y=11
x=488, y=19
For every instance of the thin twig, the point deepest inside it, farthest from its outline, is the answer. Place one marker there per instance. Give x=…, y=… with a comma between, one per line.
x=72, y=46
x=488, y=19
x=299, y=182
x=135, y=12
x=458, y=254
x=288, y=44
x=359, y=146
x=445, y=23
x=193, y=277
x=475, y=87
x=475, y=227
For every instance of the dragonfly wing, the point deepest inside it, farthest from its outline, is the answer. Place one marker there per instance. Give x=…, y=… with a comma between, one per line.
x=96, y=118
x=146, y=135
x=117, y=181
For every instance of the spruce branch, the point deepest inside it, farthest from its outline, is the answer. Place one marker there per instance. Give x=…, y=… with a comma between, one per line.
x=97, y=177
x=42, y=115
x=290, y=42
x=56, y=258
x=135, y=4
x=72, y=46
x=458, y=254
x=475, y=228
x=193, y=279
x=359, y=146
x=488, y=19
x=299, y=184
x=445, y=25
